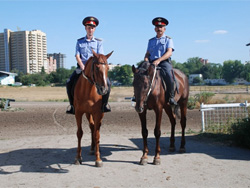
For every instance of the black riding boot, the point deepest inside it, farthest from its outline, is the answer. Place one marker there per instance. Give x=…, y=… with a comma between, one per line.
x=70, y=110
x=70, y=86
x=105, y=105
x=171, y=95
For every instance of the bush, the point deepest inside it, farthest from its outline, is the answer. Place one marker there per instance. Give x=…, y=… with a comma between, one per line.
x=204, y=97
x=241, y=133
x=2, y=103
x=191, y=103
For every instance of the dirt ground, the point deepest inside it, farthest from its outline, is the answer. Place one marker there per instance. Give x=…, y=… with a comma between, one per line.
x=38, y=147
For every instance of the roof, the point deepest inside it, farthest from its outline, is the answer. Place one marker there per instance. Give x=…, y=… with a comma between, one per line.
x=9, y=73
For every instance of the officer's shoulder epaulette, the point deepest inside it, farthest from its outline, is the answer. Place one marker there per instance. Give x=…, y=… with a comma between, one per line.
x=98, y=39
x=81, y=38
x=168, y=37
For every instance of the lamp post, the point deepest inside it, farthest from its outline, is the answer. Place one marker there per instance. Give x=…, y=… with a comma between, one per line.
x=249, y=62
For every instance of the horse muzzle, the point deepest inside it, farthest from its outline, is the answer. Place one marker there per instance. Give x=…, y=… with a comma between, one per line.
x=139, y=109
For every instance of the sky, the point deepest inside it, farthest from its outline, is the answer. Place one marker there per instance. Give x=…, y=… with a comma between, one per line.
x=217, y=30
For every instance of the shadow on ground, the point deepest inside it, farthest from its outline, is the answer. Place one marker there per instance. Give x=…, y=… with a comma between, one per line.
x=54, y=160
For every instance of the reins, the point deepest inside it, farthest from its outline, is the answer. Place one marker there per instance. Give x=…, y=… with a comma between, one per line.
x=150, y=88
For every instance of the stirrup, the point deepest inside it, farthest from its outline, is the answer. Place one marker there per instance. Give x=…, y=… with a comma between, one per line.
x=133, y=99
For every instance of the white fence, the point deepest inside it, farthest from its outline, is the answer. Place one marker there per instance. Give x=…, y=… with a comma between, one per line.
x=222, y=114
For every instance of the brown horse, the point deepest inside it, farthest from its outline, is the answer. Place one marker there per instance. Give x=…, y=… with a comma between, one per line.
x=150, y=94
x=88, y=99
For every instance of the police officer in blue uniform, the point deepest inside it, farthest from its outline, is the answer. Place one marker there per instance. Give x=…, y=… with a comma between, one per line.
x=84, y=47
x=159, y=51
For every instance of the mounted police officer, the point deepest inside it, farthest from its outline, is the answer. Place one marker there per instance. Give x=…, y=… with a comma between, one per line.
x=84, y=47
x=159, y=51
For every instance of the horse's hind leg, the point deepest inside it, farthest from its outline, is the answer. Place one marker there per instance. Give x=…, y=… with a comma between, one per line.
x=183, y=125
x=78, y=159
x=172, y=119
x=92, y=127
x=144, y=158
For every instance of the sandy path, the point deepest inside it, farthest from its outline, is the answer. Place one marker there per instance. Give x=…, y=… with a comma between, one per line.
x=38, y=146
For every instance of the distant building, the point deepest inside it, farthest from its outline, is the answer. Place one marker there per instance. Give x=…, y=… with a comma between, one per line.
x=192, y=76
x=240, y=81
x=111, y=66
x=215, y=82
x=60, y=59
x=25, y=51
x=51, y=65
x=204, y=61
x=7, y=78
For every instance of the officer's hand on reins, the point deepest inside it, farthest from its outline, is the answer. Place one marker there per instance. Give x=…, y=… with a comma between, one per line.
x=156, y=62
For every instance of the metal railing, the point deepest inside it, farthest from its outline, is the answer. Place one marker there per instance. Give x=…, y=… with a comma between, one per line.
x=222, y=114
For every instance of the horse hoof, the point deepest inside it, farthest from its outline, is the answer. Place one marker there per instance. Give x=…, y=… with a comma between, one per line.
x=172, y=149
x=78, y=161
x=143, y=161
x=91, y=152
x=157, y=161
x=99, y=164
x=182, y=150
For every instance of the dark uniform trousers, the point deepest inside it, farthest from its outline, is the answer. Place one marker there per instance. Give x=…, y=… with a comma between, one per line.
x=167, y=75
x=70, y=85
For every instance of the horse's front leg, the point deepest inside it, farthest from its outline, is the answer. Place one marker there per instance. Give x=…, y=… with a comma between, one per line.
x=97, y=122
x=157, y=133
x=144, y=158
x=78, y=159
x=92, y=128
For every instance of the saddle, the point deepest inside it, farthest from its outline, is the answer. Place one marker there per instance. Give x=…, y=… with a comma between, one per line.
x=176, y=83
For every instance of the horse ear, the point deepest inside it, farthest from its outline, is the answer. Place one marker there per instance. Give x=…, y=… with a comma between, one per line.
x=134, y=69
x=95, y=54
x=108, y=55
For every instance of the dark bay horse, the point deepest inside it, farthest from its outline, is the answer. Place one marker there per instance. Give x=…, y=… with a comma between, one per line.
x=149, y=94
x=88, y=100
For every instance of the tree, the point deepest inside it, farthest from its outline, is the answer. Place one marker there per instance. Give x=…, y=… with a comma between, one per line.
x=197, y=80
x=231, y=70
x=122, y=74
x=193, y=65
x=211, y=71
x=246, y=72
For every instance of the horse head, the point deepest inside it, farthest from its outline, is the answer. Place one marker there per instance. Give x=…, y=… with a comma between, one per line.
x=100, y=72
x=143, y=76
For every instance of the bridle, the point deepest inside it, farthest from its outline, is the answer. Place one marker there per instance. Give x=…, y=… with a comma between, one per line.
x=150, y=88
x=92, y=80
x=151, y=85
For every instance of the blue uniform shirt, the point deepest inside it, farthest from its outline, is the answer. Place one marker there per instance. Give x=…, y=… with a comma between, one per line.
x=157, y=47
x=84, y=48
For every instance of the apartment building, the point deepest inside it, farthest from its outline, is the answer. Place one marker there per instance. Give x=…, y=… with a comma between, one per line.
x=25, y=51
x=60, y=59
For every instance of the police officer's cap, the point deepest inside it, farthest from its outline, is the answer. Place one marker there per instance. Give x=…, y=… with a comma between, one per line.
x=90, y=20
x=159, y=21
